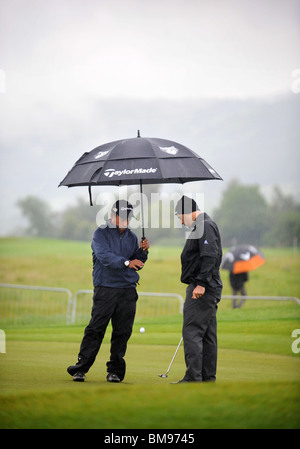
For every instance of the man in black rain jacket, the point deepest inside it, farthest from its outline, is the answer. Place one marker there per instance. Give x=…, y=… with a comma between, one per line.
x=200, y=261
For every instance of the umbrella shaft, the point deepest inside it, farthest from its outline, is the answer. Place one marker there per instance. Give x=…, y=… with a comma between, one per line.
x=142, y=211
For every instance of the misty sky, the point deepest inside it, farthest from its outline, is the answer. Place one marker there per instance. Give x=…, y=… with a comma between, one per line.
x=77, y=73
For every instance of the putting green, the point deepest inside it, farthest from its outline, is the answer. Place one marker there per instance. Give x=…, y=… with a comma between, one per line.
x=32, y=365
x=254, y=390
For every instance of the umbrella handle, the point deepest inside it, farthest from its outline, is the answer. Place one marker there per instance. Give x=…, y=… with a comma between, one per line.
x=90, y=194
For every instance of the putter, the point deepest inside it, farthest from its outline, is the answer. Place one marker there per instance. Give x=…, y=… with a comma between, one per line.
x=168, y=370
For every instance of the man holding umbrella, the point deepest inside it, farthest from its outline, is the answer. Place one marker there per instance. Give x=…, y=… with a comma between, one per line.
x=239, y=260
x=116, y=259
x=200, y=259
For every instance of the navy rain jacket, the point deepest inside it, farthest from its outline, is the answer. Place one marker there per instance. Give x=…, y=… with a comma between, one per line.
x=110, y=250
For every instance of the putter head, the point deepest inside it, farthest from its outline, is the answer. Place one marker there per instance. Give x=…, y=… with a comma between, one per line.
x=162, y=375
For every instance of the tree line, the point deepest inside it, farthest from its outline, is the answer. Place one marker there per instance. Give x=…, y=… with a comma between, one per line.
x=243, y=216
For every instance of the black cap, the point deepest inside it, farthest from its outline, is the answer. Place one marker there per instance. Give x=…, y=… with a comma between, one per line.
x=186, y=205
x=123, y=208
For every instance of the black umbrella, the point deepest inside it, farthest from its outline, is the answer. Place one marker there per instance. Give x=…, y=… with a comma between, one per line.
x=140, y=160
x=242, y=258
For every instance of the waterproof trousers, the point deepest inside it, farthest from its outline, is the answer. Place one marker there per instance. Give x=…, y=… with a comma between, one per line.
x=119, y=306
x=200, y=337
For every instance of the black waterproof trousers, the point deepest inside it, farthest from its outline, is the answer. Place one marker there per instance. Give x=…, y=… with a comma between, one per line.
x=119, y=305
x=200, y=337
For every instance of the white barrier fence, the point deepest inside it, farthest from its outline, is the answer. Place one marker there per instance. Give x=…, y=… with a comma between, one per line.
x=263, y=298
x=34, y=305
x=149, y=305
x=24, y=305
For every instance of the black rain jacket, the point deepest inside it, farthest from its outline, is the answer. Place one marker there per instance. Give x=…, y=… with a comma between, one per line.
x=202, y=255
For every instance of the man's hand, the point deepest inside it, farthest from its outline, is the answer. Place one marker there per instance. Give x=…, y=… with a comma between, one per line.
x=144, y=244
x=136, y=264
x=198, y=292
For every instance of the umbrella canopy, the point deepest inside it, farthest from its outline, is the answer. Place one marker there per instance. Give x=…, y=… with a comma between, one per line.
x=139, y=160
x=242, y=258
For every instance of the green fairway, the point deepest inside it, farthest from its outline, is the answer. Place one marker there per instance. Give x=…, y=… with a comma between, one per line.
x=257, y=387
x=254, y=389
x=258, y=378
x=68, y=264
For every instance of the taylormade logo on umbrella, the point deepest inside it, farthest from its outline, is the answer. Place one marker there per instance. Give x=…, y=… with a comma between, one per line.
x=110, y=172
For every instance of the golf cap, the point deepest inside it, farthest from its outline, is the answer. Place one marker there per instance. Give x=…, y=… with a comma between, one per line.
x=186, y=205
x=123, y=208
